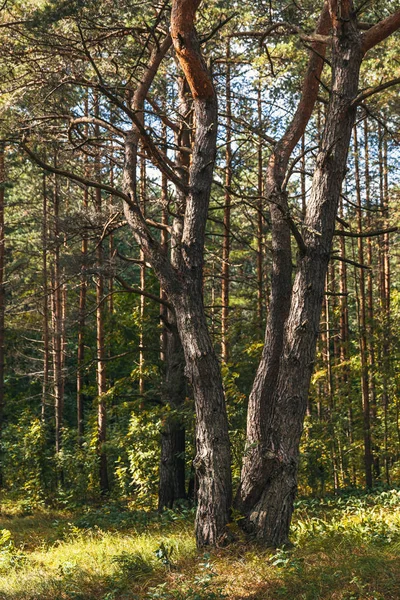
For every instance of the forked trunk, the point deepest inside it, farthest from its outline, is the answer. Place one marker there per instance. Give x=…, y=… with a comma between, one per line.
x=270, y=511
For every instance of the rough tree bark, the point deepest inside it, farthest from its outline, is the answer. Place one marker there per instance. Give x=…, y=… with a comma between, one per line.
x=183, y=285
x=254, y=470
x=266, y=495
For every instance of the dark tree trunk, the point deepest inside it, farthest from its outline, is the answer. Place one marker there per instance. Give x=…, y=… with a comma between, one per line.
x=212, y=461
x=2, y=297
x=183, y=284
x=172, y=465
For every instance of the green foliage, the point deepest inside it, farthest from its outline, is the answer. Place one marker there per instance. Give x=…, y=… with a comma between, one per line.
x=28, y=466
x=164, y=555
x=345, y=547
x=131, y=565
x=10, y=556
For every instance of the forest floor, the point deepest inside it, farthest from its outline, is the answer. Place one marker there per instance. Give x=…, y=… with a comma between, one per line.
x=345, y=548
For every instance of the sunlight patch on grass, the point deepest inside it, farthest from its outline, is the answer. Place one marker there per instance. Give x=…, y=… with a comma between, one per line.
x=344, y=550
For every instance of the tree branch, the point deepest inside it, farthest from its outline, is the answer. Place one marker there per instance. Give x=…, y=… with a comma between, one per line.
x=134, y=290
x=371, y=91
x=349, y=262
x=365, y=234
x=73, y=176
x=380, y=31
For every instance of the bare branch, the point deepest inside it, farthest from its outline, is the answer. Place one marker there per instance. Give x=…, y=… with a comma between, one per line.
x=73, y=176
x=371, y=91
x=134, y=290
x=349, y=262
x=366, y=234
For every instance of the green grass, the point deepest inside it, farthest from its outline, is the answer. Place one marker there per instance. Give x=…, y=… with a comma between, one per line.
x=345, y=548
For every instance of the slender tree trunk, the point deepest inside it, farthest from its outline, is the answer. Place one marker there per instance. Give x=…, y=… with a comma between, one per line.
x=260, y=221
x=45, y=274
x=227, y=214
x=81, y=329
x=82, y=305
x=329, y=358
x=172, y=463
x=142, y=283
x=2, y=296
x=100, y=335
x=368, y=461
x=345, y=349
x=370, y=322
x=57, y=322
x=385, y=300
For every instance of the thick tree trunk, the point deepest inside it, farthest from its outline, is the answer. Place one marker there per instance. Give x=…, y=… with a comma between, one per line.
x=255, y=469
x=183, y=283
x=270, y=512
x=213, y=459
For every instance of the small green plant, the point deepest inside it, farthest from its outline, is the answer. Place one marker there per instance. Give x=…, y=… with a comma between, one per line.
x=199, y=590
x=10, y=556
x=164, y=554
x=284, y=559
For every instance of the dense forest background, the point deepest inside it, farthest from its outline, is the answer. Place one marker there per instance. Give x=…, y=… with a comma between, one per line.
x=84, y=394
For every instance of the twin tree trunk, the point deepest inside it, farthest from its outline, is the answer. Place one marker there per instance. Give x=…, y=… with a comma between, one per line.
x=279, y=398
